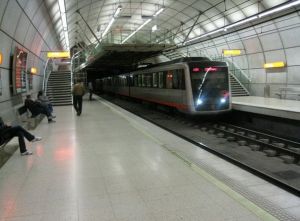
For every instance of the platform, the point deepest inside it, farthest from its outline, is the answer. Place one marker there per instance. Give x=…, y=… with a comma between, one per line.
x=109, y=164
x=289, y=109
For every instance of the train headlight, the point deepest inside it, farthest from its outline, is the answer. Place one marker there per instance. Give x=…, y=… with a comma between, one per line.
x=223, y=100
x=199, y=102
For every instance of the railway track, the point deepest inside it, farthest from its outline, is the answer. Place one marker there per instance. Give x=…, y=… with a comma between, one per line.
x=271, y=157
x=272, y=146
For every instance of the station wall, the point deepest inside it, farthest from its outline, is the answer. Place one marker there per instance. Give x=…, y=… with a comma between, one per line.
x=276, y=40
x=25, y=24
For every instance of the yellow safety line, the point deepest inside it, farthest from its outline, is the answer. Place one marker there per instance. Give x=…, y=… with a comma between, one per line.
x=259, y=212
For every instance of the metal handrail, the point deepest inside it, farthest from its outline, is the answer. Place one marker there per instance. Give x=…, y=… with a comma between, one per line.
x=46, y=75
x=236, y=67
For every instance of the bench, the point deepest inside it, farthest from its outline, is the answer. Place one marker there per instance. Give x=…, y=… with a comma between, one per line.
x=30, y=120
x=3, y=142
x=288, y=92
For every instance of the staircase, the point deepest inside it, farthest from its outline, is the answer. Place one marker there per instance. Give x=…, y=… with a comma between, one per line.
x=237, y=89
x=59, y=89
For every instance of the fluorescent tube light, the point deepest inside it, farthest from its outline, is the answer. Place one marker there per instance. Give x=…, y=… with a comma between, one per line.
x=62, y=7
x=108, y=27
x=63, y=16
x=146, y=22
x=64, y=20
x=154, y=28
x=280, y=8
x=240, y=22
x=118, y=11
x=204, y=35
x=158, y=12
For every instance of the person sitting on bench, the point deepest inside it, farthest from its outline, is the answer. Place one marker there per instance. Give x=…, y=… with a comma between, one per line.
x=44, y=100
x=8, y=132
x=37, y=108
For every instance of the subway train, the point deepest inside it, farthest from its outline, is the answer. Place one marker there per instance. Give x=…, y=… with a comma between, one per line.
x=194, y=85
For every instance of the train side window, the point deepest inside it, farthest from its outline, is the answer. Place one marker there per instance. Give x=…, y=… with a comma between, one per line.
x=181, y=81
x=175, y=79
x=155, y=80
x=145, y=80
x=135, y=80
x=149, y=80
x=140, y=80
x=169, y=79
x=161, y=79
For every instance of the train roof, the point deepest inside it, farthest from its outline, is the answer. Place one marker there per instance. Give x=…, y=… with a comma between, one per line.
x=180, y=60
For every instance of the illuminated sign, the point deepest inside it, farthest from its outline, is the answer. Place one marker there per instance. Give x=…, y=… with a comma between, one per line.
x=33, y=70
x=196, y=69
x=211, y=69
x=277, y=64
x=19, y=71
x=58, y=54
x=233, y=52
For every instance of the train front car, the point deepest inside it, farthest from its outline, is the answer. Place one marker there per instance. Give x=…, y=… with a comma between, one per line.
x=210, y=87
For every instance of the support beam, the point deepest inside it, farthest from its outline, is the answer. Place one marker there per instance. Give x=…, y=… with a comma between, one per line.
x=186, y=37
x=77, y=23
x=88, y=26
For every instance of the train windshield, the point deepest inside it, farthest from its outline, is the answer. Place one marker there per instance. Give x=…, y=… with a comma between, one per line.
x=210, y=87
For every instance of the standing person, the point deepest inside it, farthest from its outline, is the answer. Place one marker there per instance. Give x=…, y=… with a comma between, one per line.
x=78, y=92
x=7, y=132
x=90, y=86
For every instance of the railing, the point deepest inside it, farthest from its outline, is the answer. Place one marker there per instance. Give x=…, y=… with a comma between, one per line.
x=47, y=71
x=234, y=69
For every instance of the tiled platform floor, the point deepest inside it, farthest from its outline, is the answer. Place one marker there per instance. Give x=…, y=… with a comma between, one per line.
x=283, y=108
x=110, y=165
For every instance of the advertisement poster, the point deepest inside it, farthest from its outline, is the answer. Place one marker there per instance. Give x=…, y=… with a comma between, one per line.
x=0, y=83
x=20, y=73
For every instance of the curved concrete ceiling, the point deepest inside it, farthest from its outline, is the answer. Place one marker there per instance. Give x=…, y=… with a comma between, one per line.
x=179, y=21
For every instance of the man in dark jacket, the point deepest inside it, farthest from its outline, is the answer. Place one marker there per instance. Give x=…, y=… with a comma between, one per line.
x=37, y=108
x=78, y=91
x=7, y=132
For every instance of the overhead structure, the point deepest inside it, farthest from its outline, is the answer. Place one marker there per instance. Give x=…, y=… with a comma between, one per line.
x=112, y=58
x=130, y=24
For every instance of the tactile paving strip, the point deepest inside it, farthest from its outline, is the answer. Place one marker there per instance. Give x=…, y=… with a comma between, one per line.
x=268, y=206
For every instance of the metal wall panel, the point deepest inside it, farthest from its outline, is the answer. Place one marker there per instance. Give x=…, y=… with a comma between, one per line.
x=290, y=37
x=30, y=36
x=11, y=18
x=256, y=60
x=5, y=48
x=271, y=42
x=294, y=75
x=3, y=4
x=22, y=29
x=293, y=55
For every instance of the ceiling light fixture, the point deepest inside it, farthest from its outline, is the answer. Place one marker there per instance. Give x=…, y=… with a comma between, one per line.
x=262, y=14
x=240, y=22
x=117, y=12
x=279, y=8
x=154, y=28
x=63, y=16
x=145, y=23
